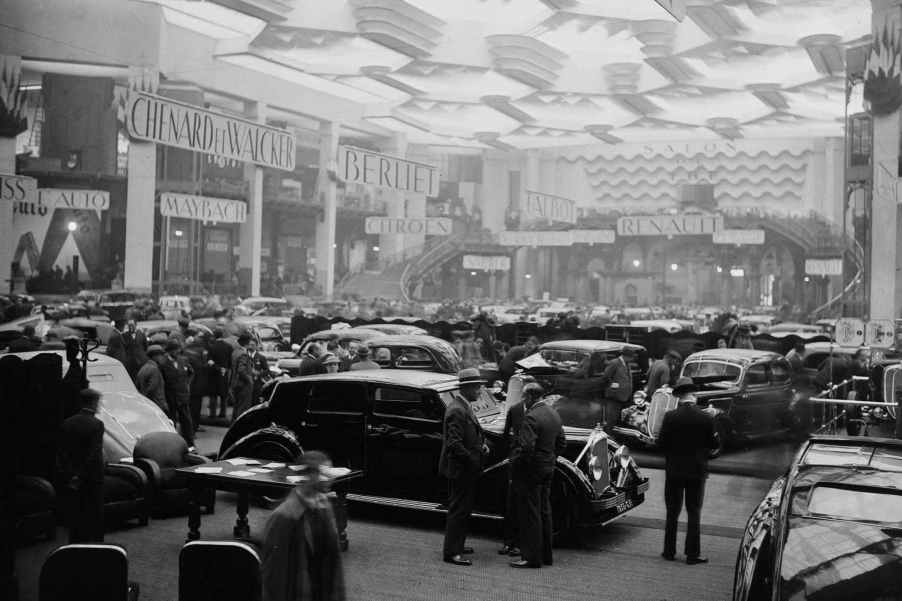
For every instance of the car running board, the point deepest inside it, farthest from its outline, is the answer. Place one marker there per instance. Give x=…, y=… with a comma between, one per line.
x=416, y=505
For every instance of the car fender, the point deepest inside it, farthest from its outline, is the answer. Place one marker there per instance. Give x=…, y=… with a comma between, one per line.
x=255, y=418
x=749, y=579
x=275, y=435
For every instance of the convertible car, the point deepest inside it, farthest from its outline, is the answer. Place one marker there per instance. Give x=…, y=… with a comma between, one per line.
x=831, y=529
x=389, y=424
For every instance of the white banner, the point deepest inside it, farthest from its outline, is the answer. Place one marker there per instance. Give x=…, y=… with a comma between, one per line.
x=849, y=332
x=738, y=237
x=431, y=226
x=669, y=225
x=593, y=236
x=487, y=263
x=880, y=333
x=361, y=166
x=527, y=238
x=548, y=208
x=18, y=188
x=823, y=266
x=174, y=123
x=203, y=208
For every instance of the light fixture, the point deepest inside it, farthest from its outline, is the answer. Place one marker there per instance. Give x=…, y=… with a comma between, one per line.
x=636, y=262
x=375, y=249
x=528, y=276
x=674, y=267
x=211, y=19
x=29, y=87
x=71, y=226
x=472, y=273
x=334, y=246
x=719, y=269
x=73, y=160
x=178, y=233
x=737, y=272
x=807, y=279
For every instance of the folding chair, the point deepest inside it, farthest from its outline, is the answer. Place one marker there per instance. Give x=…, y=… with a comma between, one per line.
x=219, y=571
x=97, y=572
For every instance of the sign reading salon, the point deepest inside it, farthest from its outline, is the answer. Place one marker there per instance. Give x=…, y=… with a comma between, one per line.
x=431, y=226
x=549, y=208
x=361, y=166
x=173, y=123
x=487, y=262
x=669, y=225
x=203, y=208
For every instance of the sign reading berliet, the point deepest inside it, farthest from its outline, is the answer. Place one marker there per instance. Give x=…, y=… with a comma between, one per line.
x=361, y=166
x=203, y=208
x=431, y=226
x=669, y=225
x=182, y=125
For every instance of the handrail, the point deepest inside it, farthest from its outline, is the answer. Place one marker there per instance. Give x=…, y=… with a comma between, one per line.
x=424, y=258
x=858, y=257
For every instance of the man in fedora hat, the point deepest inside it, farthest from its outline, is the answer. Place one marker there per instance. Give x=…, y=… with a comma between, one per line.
x=463, y=445
x=687, y=437
x=617, y=383
x=149, y=379
x=363, y=354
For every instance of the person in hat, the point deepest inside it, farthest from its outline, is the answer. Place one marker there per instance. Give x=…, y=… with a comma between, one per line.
x=300, y=555
x=149, y=379
x=330, y=363
x=242, y=385
x=177, y=383
x=463, y=445
x=687, y=438
x=662, y=371
x=617, y=384
x=541, y=440
x=383, y=356
x=363, y=353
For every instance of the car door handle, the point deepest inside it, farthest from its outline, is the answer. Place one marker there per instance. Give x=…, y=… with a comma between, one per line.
x=377, y=429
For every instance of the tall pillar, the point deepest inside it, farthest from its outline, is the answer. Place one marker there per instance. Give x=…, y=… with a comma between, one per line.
x=140, y=191
x=531, y=181
x=391, y=245
x=328, y=190
x=886, y=14
x=251, y=231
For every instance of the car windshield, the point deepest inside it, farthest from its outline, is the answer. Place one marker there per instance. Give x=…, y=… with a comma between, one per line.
x=118, y=297
x=567, y=360
x=856, y=504
x=722, y=370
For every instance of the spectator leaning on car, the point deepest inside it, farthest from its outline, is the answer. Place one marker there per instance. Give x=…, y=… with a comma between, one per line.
x=617, y=384
x=149, y=379
x=661, y=372
x=508, y=366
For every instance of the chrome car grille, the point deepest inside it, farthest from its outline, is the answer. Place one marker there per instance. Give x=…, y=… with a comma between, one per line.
x=661, y=402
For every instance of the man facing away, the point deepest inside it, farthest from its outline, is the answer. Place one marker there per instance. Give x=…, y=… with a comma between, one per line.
x=662, y=372
x=310, y=363
x=687, y=438
x=364, y=362
x=617, y=383
x=511, y=438
x=461, y=463
x=149, y=379
x=80, y=470
x=541, y=441
x=242, y=377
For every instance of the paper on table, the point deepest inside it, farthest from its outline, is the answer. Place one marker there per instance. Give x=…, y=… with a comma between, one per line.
x=296, y=468
x=259, y=470
x=295, y=479
x=241, y=474
x=243, y=461
x=335, y=472
x=208, y=470
x=274, y=465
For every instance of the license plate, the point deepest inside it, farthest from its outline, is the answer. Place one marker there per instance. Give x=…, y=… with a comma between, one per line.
x=625, y=506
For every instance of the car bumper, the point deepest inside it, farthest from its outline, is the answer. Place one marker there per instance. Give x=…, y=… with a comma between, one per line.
x=602, y=511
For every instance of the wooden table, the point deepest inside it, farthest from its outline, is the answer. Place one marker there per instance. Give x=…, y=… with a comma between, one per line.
x=238, y=476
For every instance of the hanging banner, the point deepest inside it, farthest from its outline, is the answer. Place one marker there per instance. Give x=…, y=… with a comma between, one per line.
x=528, y=238
x=431, y=226
x=738, y=237
x=669, y=225
x=173, y=123
x=18, y=188
x=203, y=208
x=548, y=208
x=487, y=263
x=823, y=266
x=593, y=236
x=361, y=166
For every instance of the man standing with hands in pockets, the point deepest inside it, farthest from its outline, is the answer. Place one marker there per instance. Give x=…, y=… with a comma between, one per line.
x=461, y=462
x=541, y=441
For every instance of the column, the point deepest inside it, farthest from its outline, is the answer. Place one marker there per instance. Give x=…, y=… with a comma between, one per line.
x=493, y=287
x=251, y=231
x=886, y=13
x=391, y=245
x=531, y=180
x=328, y=190
x=140, y=194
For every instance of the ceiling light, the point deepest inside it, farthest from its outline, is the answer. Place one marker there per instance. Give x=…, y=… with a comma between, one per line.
x=737, y=272
x=210, y=19
x=719, y=269
x=29, y=87
x=674, y=267
x=636, y=262
x=528, y=276
x=71, y=226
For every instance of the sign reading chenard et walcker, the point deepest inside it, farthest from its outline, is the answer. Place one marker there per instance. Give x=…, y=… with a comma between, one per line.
x=173, y=123
x=203, y=208
x=669, y=225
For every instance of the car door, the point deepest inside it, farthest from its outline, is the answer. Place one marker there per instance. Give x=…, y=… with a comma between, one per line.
x=755, y=398
x=404, y=441
x=336, y=422
x=776, y=401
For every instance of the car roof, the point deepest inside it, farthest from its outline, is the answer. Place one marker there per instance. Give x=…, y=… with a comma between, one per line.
x=738, y=355
x=357, y=333
x=406, y=339
x=826, y=347
x=589, y=346
x=265, y=299
x=869, y=457
x=400, y=377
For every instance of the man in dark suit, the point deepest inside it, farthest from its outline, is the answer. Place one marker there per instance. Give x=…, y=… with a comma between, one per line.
x=617, y=383
x=508, y=364
x=687, y=438
x=512, y=423
x=310, y=360
x=541, y=441
x=461, y=462
x=177, y=375
x=80, y=470
x=662, y=372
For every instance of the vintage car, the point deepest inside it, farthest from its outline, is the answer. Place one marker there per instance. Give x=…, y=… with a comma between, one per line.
x=166, y=326
x=830, y=529
x=396, y=329
x=126, y=414
x=292, y=365
x=263, y=305
x=749, y=393
x=389, y=424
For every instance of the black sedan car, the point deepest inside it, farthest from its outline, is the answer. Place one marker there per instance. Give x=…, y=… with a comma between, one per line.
x=831, y=529
x=389, y=424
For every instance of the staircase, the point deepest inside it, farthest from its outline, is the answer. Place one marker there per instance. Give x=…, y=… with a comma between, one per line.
x=851, y=294
x=431, y=258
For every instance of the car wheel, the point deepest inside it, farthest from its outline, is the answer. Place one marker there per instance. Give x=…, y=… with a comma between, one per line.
x=723, y=433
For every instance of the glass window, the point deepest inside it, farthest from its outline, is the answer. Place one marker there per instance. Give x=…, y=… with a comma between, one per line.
x=402, y=402
x=815, y=360
x=338, y=397
x=413, y=357
x=288, y=404
x=729, y=372
x=563, y=359
x=856, y=504
x=779, y=372
x=757, y=374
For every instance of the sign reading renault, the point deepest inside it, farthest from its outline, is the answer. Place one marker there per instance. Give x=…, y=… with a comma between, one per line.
x=203, y=208
x=669, y=225
x=550, y=208
x=182, y=125
x=431, y=226
x=361, y=166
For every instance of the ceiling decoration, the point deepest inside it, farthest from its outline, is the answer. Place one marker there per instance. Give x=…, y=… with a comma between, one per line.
x=547, y=73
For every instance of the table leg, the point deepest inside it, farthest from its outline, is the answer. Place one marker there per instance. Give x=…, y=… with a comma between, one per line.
x=194, y=514
x=339, y=508
x=242, y=527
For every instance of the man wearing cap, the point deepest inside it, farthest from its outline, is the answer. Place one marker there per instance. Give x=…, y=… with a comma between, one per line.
x=463, y=445
x=149, y=379
x=687, y=437
x=662, y=371
x=363, y=353
x=617, y=383
x=541, y=440
x=177, y=383
x=242, y=377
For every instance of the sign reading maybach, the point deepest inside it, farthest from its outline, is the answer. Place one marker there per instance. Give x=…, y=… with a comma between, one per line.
x=203, y=208
x=165, y=121
x=361, y=166
x=669, y=225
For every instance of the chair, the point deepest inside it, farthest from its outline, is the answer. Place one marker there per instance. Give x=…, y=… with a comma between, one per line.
x=35, y=507
x=219, y=571
x=96, y=572
x=126, y=494
x=159, y=455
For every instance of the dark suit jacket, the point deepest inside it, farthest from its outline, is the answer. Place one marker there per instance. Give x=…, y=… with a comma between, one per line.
x=462, y=441
x=506, y=367
x=512, y=423
x=80, y=451
x=658, y=375
x=687, y=436
x=309, y=365
x=541, y=441
x=618, y=382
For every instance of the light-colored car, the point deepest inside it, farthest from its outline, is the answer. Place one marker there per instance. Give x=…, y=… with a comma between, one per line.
x=173, y=307
x=263, y=305
x=802, y=330
x=126, y=414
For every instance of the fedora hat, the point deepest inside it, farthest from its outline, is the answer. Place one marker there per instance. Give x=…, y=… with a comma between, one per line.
x=684, y=386
x=470, y=375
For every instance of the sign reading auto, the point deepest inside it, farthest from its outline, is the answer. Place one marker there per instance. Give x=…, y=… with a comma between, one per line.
x=174, y=123
x=550, y=208
x=431, y=226
x=360, y=166
x=203, y=208
x=669, y=225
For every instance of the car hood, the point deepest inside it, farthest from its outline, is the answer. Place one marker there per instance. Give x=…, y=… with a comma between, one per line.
x=126, y=417
x=834, y=560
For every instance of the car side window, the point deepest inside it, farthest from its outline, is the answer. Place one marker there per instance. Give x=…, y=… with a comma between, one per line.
x=757, y=374
x=814, y=360
x=288, y=404
x=414, y=358
x=403, y=402
x=338, y=397
x=779, y=372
